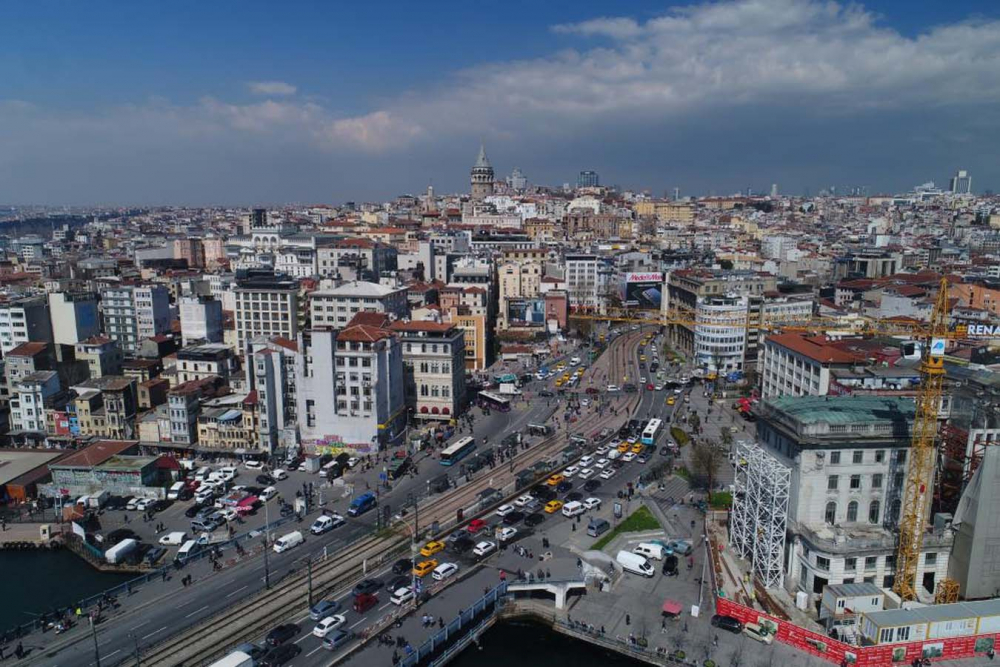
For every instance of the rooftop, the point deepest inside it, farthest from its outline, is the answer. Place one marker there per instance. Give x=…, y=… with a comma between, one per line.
x=936, y=613
x=27, y=350
x=357, y=288
x=843, y=409
x=97, y=453
x=14, y=463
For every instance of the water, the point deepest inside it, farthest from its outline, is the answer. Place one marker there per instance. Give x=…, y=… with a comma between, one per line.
x=37, y=580
x=527, y=644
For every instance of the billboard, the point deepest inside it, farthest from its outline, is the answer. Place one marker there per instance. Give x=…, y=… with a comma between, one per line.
x=643, y=290
x=526, y=312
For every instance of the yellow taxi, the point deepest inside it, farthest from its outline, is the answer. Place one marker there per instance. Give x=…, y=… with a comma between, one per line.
x=579, y=372
x=553, y=506
x=432, y=548
x=555, y=479
x=671, y=400
x=559, y=382
x=565, y=377
x=622, y=447
x=424, y=567
x=642, y=357
x=637, y=448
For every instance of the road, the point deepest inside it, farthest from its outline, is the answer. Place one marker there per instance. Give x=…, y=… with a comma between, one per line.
x=161, y=608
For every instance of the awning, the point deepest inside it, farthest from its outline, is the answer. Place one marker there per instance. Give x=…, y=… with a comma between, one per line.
x=672, y=607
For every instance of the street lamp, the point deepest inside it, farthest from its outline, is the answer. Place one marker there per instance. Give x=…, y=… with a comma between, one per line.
x=135, y=639
x=267, y=528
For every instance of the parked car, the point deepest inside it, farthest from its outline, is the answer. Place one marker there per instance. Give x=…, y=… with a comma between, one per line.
x=727, y=623
x=265, y=480
x=757, y=633
x=592, y=503
x=680, y=547
x=253, y=464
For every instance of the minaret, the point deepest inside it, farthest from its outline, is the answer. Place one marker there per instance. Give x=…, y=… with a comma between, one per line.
x=482, y=176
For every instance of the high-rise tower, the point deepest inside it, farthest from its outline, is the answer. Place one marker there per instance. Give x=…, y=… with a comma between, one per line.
x=482, y=176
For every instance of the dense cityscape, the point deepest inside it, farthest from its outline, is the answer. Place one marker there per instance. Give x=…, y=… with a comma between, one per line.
x=682, y=347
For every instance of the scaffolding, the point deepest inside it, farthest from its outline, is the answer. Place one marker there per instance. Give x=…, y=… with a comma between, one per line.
x=759, y=518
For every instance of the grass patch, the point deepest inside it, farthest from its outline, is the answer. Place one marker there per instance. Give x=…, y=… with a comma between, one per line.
x=722, y=500
x=639, y=520
x=683, y=473
x=679, y=435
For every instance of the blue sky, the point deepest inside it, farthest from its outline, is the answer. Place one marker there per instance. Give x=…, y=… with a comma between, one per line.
x=241, y=102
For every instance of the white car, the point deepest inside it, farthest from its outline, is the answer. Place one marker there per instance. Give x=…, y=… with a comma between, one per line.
x=659, y=387
x=443, y=571
x=678, y=390
x=642, y=380
x=131, y=505
x=504, y=510
x=253, y=464
x=602, y=450
x=592, y=503
x=570, y=471
x=585, y=402
x=229, y=473
x=268, y=493
x=484, y=548
x=279, y=474
x=401, y=596
x=586, y=461
x=585, y=473
x=328, y=624
x=229, y=514
x=611, y=388
x=507, y=534
x=143, y=504
x=601, y=463
x=524, y=500
x=353, y=461
x=628, y=457
x=608, y=474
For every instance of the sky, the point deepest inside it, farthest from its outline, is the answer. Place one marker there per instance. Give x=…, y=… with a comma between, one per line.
x=253, y=102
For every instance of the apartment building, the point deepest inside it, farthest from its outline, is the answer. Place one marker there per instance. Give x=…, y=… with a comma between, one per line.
x=848, y=457
x=74, y=316
x=519, y=282
x=433, y=368
x=201, y=320
x=102, y=355
x=106, y=407
x=132, y=313
x=31, y=395
x=333, y=307
x=201, y=361
x=356, y=259
x=796, y=364
x=583, y=281
x=24, y=320
x=272, y=368
x=267, y=305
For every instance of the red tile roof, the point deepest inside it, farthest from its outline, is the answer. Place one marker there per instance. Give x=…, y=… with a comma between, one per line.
x=818, y=348
x=98, y=453
x=377, y=320
x=281, y=341
x=439, y=327
x=362, y=333
x=27, y=350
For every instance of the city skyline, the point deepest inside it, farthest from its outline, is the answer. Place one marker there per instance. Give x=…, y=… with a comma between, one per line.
x=104, y=106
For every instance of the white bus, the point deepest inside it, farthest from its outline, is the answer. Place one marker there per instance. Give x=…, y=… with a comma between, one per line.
x=652, y=430
x=454, y=453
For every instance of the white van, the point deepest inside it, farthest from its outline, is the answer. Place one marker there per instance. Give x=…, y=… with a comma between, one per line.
x=649, y=550
x=203, y=473
x=575, y=361
x=573, y=508
x=175, y=490
x=187, y=550
x=288, y=541
x=635, y=563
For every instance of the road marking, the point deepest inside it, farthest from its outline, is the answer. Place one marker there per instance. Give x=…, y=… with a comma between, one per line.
x=307, y=616
x=314, y=650
x=303, y=637
x=154, y=632
x=387, y=604
x=196, y=611
x=184, y=604
x=134, y=628
x=359, y=623
x=241, y=588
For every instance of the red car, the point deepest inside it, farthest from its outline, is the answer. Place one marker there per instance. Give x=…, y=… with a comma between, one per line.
x=477, y=525
x=650, y=387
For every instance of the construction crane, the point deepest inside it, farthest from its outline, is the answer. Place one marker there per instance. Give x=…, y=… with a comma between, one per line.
x=933, y=336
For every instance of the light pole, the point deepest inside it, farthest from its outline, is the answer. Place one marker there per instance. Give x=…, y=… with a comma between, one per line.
x=413, y=545
x=309, y=569
x=97, y=650
x=135, y=640
x=267, y=565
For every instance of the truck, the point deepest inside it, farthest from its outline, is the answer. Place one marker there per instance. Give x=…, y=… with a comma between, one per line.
x=234, y=659
x=117, y=554
x=509, y=389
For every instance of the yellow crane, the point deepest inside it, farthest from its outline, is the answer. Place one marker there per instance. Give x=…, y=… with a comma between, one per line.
x=920, y=475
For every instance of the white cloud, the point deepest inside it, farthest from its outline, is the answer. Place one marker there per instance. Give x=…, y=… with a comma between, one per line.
x=278, y=88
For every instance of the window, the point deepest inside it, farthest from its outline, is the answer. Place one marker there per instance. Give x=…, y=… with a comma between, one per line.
x=852, y=511
x=930, y=559
x=850, y=564
x=855, y=482
x=834, y=458
x=877, y=481
x=879, y=455
x=822, y=563
x=900, y=456
x=873, y=512
x=859, y=456
x=871, y=562
x=831, y=513
x=831, y=483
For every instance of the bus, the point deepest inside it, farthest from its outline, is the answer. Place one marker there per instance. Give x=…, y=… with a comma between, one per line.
x=491, y=401
x=652, y=430
x=454, y=453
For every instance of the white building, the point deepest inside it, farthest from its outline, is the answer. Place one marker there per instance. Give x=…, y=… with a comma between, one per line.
x=333, y=307
x=582, y=280
x=27, y=403
x=794, y=364
x=24, y=321
x=849, y=457
x=133, y=313
x=74, y=317
x=433, y=368
x=272, y=369
x=720, y=343
x=201, y=320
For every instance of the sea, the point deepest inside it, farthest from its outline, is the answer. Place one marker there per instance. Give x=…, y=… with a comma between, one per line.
x=527, y=644
x=38, y=580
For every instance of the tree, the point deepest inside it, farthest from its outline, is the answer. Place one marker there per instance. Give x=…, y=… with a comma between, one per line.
x=705, y=461
x=727, y=436
x=726, y=264
x=694, y=421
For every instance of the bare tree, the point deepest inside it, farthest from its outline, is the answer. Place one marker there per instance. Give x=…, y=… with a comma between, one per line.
x=694, y=421
x=705, y=461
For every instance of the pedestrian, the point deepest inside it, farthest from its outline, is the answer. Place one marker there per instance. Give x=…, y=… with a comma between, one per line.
x=441, y=622
x=628, y=619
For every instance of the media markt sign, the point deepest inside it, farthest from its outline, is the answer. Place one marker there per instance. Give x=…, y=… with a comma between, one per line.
x=937, y=347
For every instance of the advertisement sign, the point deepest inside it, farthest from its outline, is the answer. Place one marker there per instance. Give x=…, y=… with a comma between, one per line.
x=937, y=347
x=526, y=312
x=643, y=290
